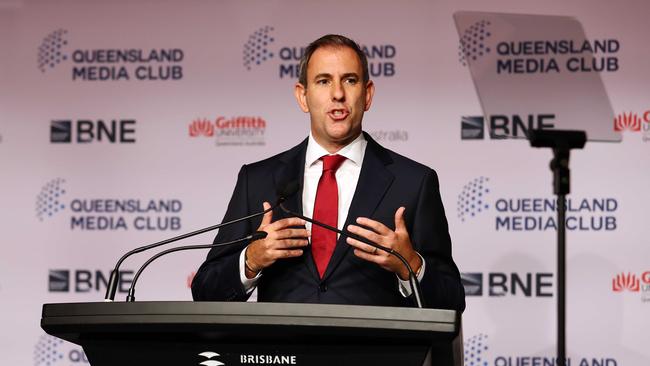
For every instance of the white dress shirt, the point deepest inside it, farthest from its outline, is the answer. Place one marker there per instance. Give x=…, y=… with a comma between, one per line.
x=347, y=177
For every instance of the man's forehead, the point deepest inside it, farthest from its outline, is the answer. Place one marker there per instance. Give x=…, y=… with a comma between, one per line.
x=334, y=55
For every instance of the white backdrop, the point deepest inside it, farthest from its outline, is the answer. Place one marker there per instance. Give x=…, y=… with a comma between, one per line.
x=62, y=231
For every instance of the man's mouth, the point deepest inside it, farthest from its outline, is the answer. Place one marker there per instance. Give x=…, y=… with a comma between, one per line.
x=338, y=114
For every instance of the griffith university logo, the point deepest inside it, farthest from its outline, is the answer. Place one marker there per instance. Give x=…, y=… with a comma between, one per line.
x=233, y=131
x=256, y=49
x=210, y=362
x=630, y=282
x=50, y=200
x=479, y=199
x=474, y=43
x=633, y=122
x=52, y=50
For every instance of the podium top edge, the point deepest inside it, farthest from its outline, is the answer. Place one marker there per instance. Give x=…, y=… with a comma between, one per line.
x=248, y=309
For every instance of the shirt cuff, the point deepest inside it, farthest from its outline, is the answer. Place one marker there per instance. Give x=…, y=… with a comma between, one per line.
x=248, y=283
x=405, y=286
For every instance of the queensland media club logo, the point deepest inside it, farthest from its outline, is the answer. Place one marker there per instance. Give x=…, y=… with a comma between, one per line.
x=52, y=50
x=512, y=284
x=262, y=47
x=108, y=64
x=633, y=122
x=475, y=42
x=107, y=214
x=67, y=131
x=501, y=126
x=233, y=131
x=478, y=351
x=52, y=351
x=478, y=200
x=535, y=56
x=631, y=282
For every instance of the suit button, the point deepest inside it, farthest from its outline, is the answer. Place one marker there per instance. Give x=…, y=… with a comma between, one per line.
x=322, y=287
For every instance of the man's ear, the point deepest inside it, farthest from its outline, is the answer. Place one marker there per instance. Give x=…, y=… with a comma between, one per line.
x=370, y=92
x=299, y=92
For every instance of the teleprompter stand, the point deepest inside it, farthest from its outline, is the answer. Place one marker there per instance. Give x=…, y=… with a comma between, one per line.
x=561, y=141
x=212, y=334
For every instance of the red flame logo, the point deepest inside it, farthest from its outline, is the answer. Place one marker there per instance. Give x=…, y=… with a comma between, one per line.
x=624, y=281
x=627, y=121
x=200, y=127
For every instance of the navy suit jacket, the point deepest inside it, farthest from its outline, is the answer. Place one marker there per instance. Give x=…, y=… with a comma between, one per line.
x=386, y=182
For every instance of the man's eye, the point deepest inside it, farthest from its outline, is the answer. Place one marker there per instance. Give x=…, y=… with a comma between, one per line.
x=322, y=81
x=351, y=81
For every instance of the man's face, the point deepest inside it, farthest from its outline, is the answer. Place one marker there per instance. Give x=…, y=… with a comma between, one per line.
x=335, y=96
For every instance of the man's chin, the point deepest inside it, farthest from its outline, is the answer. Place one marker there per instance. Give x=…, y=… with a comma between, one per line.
x=344, y=138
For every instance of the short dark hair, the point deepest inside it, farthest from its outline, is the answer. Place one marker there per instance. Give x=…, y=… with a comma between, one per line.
x=331, y=40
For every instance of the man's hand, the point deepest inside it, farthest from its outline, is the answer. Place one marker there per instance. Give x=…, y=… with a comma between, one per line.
x=397, y=240
x=281, y=242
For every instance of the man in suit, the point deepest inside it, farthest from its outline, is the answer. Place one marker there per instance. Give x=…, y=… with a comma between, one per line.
x=348, y=180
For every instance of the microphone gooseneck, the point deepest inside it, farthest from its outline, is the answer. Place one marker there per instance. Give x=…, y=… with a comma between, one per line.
x=113, y=280
x=131, y=295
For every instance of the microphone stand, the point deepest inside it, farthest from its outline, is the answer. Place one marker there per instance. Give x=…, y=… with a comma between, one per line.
x=413, y=281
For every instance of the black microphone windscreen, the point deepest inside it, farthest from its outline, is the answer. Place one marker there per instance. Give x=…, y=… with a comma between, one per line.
x=258, y=235
x=287, y=190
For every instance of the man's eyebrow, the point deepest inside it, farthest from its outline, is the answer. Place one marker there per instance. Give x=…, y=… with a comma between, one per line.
x=350, y=74
x=323, y=75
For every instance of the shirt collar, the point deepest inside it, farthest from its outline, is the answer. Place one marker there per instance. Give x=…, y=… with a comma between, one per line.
x=352, y=151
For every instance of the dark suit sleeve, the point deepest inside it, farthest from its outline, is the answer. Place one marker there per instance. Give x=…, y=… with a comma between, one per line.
x=218, y=277
x=441, y=285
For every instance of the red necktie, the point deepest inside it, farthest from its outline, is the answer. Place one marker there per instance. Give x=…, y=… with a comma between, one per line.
x=326, y=210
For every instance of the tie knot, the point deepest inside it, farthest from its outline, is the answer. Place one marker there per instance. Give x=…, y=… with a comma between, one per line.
x=332, y=162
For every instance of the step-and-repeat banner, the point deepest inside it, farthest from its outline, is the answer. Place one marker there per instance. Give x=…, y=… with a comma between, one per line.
x=123, y=123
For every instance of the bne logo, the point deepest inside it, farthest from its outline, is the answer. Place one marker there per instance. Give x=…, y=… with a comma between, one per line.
x=502, y=284
x=514, y=126
x=87, y=131
x=83, y=280
x=502, y=126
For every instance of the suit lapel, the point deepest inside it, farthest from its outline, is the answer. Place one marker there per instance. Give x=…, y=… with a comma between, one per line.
x=293, y=170
x=374, y=180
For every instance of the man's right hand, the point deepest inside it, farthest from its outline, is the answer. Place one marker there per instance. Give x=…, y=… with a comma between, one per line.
x=282, y=241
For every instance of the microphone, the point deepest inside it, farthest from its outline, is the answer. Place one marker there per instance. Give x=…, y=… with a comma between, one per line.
x=292, y=188
x=113, y=281
x=252, y=237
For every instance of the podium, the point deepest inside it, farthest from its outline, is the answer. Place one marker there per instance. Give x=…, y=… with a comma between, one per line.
x=217, y=333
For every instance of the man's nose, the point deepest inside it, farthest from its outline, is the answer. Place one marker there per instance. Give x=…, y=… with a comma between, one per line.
x=338, y=93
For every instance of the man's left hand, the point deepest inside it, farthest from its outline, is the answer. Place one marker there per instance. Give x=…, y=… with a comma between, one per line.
x=397, y=240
